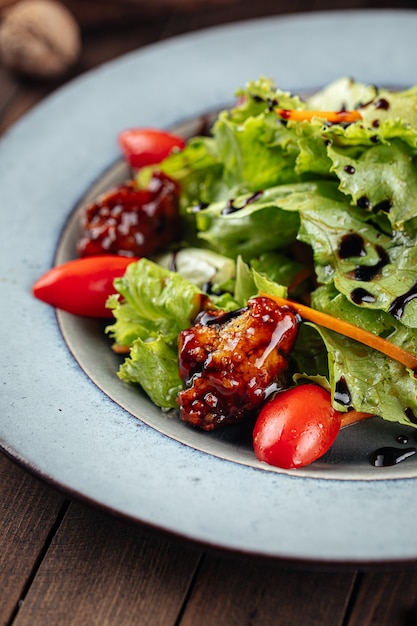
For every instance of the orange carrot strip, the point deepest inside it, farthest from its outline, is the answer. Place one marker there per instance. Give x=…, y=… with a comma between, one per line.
x=349, y=330
x=352, y=417
x=120, y=349
x=299, y=115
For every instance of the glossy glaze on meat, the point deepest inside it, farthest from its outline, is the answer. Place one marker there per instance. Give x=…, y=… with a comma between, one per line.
x=131, y=221
x=231, y=362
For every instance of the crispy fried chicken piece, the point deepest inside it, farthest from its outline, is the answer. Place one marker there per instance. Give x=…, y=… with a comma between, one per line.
x=231, y=362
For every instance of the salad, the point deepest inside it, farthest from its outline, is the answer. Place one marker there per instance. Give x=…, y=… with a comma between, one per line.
x=273, y=275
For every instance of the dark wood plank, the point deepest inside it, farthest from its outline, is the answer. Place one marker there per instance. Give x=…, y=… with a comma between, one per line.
x=29, y=511
x=101, y=571
x=98, y=12
x=8, y=89
x=231, y=592
x=386, y=599
x=23, y=99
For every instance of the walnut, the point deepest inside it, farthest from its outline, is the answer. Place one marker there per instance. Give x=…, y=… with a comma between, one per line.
x=39, y=38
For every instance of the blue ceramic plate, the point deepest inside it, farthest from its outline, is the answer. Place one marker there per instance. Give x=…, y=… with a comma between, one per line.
x=64, y=413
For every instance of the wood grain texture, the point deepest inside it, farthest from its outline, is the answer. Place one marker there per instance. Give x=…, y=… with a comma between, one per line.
x=99, y=571
x=92, y=12
x=28, y=513
x=98, y=13
x=230, y=592
x=386, y=599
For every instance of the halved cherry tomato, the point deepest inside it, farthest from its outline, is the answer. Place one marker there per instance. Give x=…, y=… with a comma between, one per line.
x=147, y=146
x=296, y=427
x=82, y=286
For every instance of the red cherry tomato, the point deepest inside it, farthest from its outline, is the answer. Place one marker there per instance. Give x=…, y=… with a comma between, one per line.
x=147, y=146
x=296, y=427
x=82, y=286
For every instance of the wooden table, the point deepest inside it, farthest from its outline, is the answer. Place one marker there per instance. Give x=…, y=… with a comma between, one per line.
x=62, y=562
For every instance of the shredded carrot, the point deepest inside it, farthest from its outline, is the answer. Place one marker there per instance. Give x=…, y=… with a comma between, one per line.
x=352, y=417
x=118, y=349
x=338, y=117
x=350, y=330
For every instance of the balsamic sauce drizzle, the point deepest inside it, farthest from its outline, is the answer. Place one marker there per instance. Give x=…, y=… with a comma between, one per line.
x=209, y=318
x=363, y=202
x=199, y=207
x=341, y=393
x=360, y=295
x=231, y=208
x=383, y=104
x=403, y=439
x=351, y=245
x=410, y=414
x=385, y=206
x=389, y=455
x=366, y=273
x=386, y=456
x=397, y=307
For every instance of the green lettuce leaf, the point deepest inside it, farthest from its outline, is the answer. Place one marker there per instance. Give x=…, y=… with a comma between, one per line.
x=154, y=302
x=262, y=96
x=278, y=266
x=256, y=154
x=249, y=225
x=380, y=178
x=378, y=273
x=343, y=93
x=151, y=361
x=198, y=170
x=309, y=358
x=367, y=374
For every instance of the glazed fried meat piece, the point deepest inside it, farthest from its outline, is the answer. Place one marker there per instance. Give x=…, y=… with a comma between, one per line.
x=231, y=362
x=131, y=221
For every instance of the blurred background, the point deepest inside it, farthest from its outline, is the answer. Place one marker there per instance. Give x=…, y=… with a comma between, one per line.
x=106, y=29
